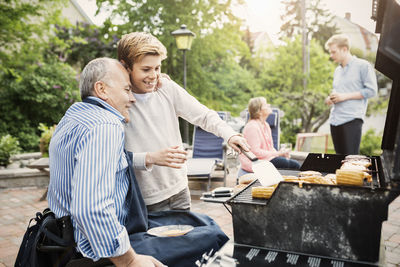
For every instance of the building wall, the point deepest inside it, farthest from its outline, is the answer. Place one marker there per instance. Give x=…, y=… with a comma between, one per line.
x=360, y=37
x=74, y=13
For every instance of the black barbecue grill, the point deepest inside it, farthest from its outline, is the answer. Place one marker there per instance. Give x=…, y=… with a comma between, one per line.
x=334, y=221
x=327, y=225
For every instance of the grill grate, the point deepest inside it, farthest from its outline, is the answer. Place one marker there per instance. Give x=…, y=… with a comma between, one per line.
x=245, y=196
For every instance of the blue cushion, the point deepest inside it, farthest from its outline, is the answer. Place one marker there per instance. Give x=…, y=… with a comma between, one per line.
x=206, y=144
x=272, y=119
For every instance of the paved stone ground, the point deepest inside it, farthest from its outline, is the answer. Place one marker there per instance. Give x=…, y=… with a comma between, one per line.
x=17, y=206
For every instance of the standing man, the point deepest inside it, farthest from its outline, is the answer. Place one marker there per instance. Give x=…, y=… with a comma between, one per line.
x=155, y=118
x=354, y=81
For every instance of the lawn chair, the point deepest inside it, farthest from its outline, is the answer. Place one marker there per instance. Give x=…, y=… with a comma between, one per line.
x=208, y=156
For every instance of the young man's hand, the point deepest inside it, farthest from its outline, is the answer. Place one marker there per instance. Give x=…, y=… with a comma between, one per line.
x=238, y=142
x=172, y=157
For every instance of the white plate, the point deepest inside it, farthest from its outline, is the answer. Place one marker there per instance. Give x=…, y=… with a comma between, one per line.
x=170, y=230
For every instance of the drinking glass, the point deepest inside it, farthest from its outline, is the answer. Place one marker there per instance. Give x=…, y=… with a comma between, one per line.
x=287, y=146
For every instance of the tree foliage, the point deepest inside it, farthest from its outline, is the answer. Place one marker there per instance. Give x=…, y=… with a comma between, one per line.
x=80, y=43
x=39, y=94
x=35, y=85
x=25, y=22
x=371, y=143
x=282, y=78
x=318, y=19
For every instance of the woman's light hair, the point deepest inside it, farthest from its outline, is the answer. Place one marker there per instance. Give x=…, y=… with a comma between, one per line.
x=255, y=105
x=134, y=46
x=341, y=40
x=96, y=70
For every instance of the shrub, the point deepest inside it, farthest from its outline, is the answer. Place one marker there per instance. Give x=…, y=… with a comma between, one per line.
x=8, y=146
x=371, y=143
x=40, y=94
x=47, y=133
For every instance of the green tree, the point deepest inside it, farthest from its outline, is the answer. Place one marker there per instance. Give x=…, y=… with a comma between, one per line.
x=24, y=22
x=35, y=85
x=282, y=78
x=319, y=20
x=78, y=44
x=40, y=93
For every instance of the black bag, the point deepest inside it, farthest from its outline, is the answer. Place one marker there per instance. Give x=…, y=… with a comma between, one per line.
x=50, y=242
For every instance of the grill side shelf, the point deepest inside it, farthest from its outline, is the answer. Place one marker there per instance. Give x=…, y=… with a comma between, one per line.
x=244, y=196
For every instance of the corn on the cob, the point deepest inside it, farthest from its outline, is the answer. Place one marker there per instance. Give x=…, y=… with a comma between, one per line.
x=350, y=177
x=262, y=191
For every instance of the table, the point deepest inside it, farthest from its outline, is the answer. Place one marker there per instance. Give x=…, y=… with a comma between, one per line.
x=42, y=165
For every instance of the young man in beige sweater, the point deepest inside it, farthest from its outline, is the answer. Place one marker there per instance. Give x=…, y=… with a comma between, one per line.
x=154, y=121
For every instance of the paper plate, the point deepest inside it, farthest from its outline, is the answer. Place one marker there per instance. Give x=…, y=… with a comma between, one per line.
x=170, y=230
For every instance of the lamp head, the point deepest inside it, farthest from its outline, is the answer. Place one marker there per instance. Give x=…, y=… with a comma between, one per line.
x=183, y=38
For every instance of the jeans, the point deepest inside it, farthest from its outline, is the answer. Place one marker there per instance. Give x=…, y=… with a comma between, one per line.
x=284, y=163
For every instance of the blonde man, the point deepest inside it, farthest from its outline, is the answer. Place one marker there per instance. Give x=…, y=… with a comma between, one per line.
x=155, y=120
x=354, y=81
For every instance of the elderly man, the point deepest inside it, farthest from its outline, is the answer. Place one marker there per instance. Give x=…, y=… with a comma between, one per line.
x=92, y=180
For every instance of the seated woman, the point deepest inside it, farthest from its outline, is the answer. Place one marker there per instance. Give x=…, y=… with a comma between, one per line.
x=258, y=135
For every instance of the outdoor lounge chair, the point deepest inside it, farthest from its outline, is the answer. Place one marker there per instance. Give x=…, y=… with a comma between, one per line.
x=208, y=155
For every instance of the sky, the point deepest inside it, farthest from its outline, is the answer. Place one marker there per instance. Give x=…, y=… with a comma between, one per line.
x=264, y=15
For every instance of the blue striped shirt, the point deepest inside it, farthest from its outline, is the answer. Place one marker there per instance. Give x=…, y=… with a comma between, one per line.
x=88, y=178
x=357, y=76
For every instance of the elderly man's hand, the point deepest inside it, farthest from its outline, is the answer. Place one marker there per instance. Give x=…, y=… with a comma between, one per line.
x=162, y=75
x=170, y=157
x=237, y=142
x=132, y=259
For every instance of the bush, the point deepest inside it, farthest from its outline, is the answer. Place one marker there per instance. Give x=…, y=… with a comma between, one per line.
x=47, y=133
x=371, y=143
x=40, y=94
x=8, y=146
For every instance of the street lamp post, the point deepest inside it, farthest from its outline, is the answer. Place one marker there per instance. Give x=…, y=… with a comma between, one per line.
x=184, y=39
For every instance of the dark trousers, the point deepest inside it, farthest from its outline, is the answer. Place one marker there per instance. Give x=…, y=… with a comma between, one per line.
x=284, y=163
x=347, y=137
